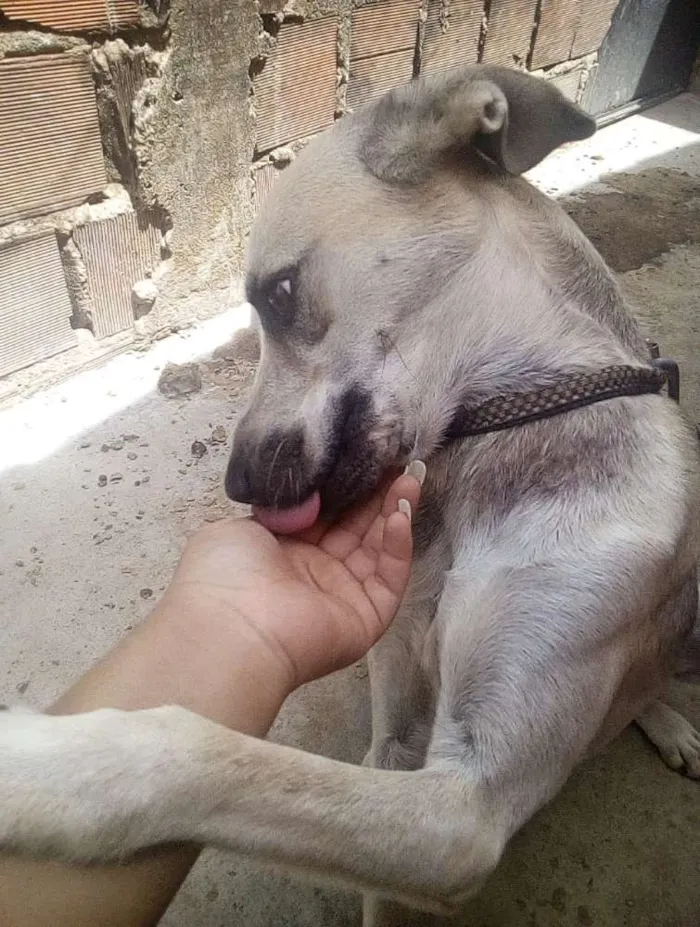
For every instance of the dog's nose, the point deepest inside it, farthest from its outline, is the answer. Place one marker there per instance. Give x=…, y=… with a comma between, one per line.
x=239, y=480
x=273, y=472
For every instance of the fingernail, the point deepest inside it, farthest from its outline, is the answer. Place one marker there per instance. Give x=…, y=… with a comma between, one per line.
x=417, y=470
x=405, y=507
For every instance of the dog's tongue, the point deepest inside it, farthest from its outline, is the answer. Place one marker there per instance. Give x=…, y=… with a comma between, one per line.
x=290, y=521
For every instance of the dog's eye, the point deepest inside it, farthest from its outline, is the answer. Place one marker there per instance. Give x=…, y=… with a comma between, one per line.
x=279, y=296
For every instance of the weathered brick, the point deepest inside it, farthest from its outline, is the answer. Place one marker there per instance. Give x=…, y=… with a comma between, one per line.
x=568, y=83
x=35, y=309
x=570, y=29
x=295, y=91
x=593, y=24
x=388, y=26
x=50, y=145
x=451, y=35
x=371, y=77
x=117, y=253
x=74, y=15
x=555, y=35
x=509, y=32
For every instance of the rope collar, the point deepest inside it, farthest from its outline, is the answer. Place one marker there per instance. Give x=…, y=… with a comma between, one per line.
x=573, y=392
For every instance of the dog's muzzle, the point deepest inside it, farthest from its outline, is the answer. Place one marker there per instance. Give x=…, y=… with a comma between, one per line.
x=280, y=477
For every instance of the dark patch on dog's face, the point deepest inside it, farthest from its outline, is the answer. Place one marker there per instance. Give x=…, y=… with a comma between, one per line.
x=354, y=467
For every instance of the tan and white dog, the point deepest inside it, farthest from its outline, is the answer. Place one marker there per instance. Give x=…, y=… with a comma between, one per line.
x=402, y=270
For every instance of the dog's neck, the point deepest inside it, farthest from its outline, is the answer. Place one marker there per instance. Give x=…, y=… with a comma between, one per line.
x=521, y=337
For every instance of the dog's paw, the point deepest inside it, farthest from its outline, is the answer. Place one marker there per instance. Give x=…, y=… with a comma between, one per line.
x=675, y=738
x=680, y=749
x=94, y=786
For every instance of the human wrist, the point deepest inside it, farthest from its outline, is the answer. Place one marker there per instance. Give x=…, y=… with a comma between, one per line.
x=206, y=660
x=228, y=657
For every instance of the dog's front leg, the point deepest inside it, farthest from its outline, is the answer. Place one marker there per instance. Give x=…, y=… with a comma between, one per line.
x=402, y=694
x=102, y=785
x=403, y=704
x=403, y=665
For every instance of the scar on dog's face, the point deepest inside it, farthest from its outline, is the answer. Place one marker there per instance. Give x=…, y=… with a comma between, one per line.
x=351, y=262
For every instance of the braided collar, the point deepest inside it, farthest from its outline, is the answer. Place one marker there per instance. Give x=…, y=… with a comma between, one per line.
x=580, y=389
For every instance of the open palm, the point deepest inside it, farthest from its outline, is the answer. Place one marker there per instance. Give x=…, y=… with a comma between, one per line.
x=320, y=600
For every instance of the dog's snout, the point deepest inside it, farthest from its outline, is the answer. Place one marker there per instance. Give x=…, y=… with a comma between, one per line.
x=272, y=472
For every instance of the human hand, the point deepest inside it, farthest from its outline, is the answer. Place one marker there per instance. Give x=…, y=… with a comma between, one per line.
x=317, y=601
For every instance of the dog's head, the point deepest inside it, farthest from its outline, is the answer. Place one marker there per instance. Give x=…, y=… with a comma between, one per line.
x=366, y=267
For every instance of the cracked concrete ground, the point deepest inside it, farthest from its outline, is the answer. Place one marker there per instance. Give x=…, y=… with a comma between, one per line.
x=100, y=485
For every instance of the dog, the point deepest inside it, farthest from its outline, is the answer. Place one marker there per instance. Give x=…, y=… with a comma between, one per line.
x=407, y=280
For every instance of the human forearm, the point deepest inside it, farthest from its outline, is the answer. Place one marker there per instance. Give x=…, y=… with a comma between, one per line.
x=208, y=662
x=206, y=659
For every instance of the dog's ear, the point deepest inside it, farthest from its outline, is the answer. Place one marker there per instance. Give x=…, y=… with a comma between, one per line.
x=511, y=118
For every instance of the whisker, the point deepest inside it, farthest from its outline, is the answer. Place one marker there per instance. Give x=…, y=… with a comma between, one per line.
x=279, y=490
x=274, y=461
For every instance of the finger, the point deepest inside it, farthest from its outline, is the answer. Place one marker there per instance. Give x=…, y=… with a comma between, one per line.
x=227, y=529
x=407, y=486
x=394, y=563
x=387, y=585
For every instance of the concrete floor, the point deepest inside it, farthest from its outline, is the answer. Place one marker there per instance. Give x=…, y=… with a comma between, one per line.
x=81, y=563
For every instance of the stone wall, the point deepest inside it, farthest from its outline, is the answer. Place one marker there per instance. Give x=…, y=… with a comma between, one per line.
x=137, y=140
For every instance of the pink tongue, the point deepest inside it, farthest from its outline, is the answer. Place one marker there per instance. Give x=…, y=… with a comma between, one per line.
x=289, y=521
